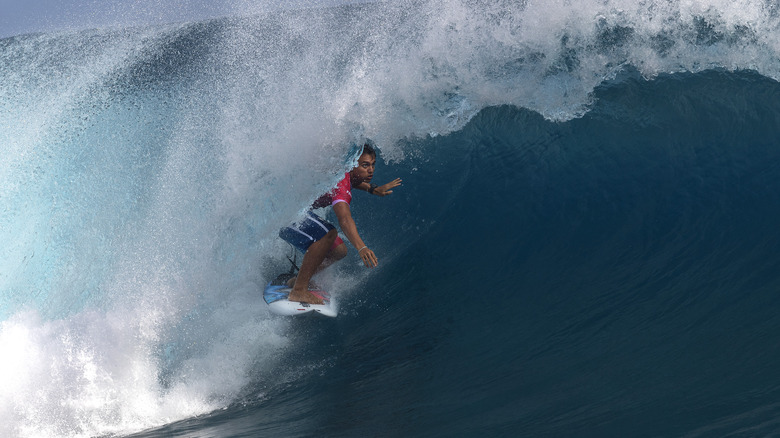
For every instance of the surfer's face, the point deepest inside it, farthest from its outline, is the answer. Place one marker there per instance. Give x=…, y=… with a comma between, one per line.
x=365, y=168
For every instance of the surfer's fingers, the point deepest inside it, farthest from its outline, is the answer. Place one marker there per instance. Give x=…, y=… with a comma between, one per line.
x=394, y=183
x=369, y=258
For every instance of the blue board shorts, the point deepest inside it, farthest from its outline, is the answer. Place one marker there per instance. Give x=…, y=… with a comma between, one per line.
x=313, y=228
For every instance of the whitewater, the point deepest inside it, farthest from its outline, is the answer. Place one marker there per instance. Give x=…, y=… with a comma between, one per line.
x=585, y=242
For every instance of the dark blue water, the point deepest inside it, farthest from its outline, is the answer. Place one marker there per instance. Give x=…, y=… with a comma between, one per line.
x=585, y=242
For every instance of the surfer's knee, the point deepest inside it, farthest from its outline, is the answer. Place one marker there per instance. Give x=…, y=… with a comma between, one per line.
x=338, y=252
x=331, y=236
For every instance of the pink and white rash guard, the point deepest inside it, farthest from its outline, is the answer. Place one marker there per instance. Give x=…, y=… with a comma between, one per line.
x=341, y=193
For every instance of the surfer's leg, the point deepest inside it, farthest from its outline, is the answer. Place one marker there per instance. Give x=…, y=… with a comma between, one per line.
x=312, y=260
x=337, y=252
x=334, y=255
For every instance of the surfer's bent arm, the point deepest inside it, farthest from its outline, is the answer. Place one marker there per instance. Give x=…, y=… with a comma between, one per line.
x=349, y=228
x=382, y=190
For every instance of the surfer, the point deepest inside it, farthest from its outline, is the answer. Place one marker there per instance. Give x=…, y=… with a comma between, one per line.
x=319, y=241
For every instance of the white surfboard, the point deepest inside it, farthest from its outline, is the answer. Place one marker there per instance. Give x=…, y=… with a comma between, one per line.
x=277, y=291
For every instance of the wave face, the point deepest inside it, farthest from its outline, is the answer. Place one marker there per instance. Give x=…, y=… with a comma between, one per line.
x=585, y=242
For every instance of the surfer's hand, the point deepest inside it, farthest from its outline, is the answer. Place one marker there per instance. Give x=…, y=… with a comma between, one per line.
x=368, y=257
x=386, y=189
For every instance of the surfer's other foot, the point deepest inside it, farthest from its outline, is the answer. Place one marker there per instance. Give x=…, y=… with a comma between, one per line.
x=304, y=297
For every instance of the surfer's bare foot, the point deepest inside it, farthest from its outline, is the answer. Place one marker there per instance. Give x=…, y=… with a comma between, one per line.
x=304, y=296
x=312, y=285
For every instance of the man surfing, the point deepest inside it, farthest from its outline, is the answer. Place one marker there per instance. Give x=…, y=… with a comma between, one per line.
x=319, y=241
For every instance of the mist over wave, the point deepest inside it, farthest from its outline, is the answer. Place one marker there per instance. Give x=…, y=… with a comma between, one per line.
x=147, y=170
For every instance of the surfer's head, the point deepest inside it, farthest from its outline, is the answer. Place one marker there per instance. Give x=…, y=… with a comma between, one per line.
x=364, y=171
x=367, y=149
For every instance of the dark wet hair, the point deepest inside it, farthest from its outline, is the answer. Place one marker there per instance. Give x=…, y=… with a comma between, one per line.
x=367, y=149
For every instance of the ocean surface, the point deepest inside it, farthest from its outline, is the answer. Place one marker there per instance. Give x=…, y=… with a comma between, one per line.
x=586, y=241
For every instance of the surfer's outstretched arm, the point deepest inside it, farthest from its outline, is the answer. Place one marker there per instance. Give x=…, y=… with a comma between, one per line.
x=383, y=190
x=349, y=228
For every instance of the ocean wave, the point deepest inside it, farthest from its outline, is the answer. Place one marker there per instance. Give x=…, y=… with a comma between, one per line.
x=147, y=170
